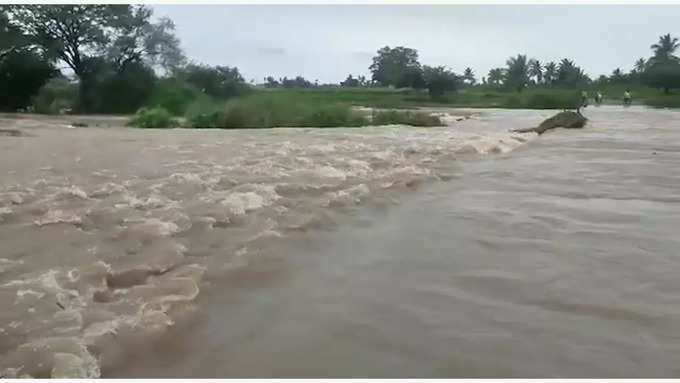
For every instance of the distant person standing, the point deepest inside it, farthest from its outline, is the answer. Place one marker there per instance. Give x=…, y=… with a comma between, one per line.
x=584, y=98
x=627, y=98
x=598, y=98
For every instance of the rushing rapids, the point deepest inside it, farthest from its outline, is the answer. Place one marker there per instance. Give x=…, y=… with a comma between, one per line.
x=460, y=251
x=108, y=233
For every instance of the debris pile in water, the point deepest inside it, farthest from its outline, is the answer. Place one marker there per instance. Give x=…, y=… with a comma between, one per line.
x=566, y=119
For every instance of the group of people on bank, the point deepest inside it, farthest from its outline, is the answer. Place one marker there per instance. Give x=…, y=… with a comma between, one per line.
x=627, y=98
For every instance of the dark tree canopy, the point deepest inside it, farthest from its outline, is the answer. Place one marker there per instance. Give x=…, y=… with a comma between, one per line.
x=136, y=39
x=353, y=82
x=220, y=81
x=495, y=76
x=663, y=75
x=68, y=32
x=469, y=76
x=22, y=73
x=124, y=33
x=570, y=75
x=549, y=73
x=517, y=72
x=439, y=80
x=664, y=49
x=397, y=67
x=22, y=70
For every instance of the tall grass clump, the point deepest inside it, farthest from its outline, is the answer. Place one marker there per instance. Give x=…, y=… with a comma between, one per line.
x=153, y=118
x=265, y=110
x=175, y=95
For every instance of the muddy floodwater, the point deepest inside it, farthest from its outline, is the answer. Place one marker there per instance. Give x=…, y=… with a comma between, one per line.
x=460, y=251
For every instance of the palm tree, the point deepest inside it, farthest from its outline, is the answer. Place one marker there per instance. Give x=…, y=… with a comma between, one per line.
x=495, y=76
x=517, y=74
x=550, y=72
x=536, y=70
x=469, y=76
x=569, y=74
x=663, y=50
x=617, y=75
x=640, y=65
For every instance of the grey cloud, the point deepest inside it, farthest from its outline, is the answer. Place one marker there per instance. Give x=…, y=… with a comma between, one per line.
x=329, y=41
x=272, y=51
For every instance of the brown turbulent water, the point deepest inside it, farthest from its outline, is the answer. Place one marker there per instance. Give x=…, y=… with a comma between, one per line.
x=463, y=251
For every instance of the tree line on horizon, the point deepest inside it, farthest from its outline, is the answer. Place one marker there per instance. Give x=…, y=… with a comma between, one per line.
x=399, y=67
x=120, y=60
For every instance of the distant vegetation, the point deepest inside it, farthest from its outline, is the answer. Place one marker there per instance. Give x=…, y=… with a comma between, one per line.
x=117, y=59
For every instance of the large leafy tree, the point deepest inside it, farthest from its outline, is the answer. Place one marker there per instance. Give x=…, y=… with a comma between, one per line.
x=136, y=39
x=22, y=70
x=122, y=33
x=11, y=38
x=495, y=76
x=350, y=82
x=663, y=75
x=469, y=76
x=398, y=67
x=517, y=73
x=69, y=33
x=663, y=69
x=220, y=81
x=439, y=80
x=99, y=43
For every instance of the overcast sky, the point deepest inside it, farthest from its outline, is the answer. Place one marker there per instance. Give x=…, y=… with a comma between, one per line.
x=327, y=42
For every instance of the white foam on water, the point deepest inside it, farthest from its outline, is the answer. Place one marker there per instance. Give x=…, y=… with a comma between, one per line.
x=349, y=195
x=58, y=216
x=74, y=191
x=22, y=293
x=154, y=226
x=242, y=202
x=186, y=177
x=331, y=172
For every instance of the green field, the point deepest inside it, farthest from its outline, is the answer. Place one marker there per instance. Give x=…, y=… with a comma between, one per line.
x=474, y=97
x=331, y=107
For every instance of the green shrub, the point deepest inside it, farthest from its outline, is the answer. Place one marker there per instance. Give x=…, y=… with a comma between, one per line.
x=268, y=111
x=203, y=113
x=175, y=95
x=55, y=96
x=153, y=118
